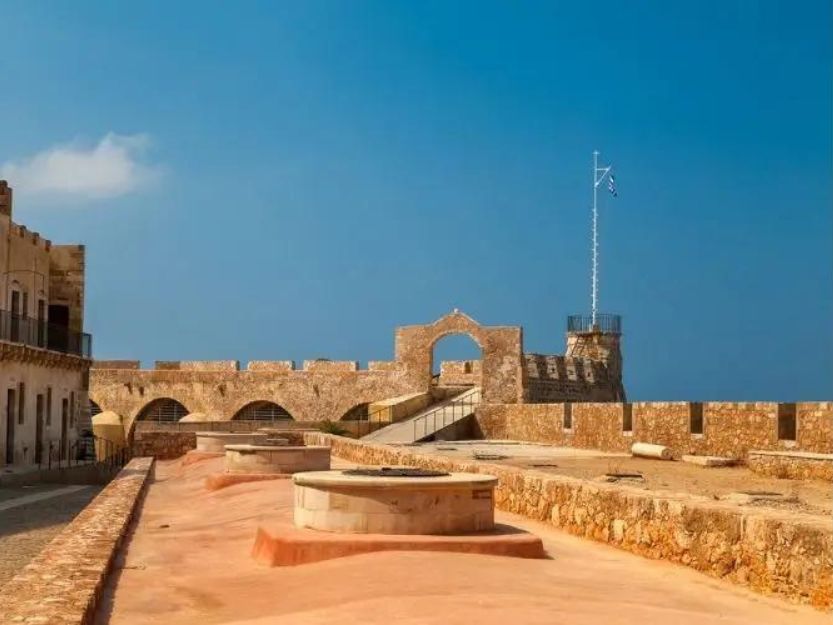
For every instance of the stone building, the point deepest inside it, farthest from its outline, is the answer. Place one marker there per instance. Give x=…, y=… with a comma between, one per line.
x=44, y=353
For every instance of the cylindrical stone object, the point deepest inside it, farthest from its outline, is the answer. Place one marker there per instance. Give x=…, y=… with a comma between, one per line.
x=274, y=459
x=458, y=503
x=649, y=450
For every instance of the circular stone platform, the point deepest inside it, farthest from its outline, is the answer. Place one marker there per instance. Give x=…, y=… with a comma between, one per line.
x=271, y=459
x=333, y=501
x=217, y=441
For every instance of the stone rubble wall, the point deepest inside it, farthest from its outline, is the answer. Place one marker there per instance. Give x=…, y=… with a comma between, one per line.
x=791, y=465
x=771, y=552
x=63, y=583
x=729, y=428
x=552, y=378
x=460, y=373
x=196, y=365
x=308, y=396
x=169, y=443
x=164, y=445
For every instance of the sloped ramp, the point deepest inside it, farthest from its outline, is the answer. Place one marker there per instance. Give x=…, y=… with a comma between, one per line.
x=429, y=421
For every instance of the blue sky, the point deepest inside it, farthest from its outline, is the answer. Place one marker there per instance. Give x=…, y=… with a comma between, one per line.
x=293, y=180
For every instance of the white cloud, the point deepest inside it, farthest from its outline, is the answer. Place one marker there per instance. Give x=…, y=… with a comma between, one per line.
x=109, y=169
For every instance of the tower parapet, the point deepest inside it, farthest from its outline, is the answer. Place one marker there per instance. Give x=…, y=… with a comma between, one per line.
x=597, y=339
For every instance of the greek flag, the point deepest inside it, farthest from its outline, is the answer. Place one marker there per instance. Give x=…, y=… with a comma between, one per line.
x=611, y=185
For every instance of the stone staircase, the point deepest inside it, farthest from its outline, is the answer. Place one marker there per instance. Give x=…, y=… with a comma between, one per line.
x=429, y=421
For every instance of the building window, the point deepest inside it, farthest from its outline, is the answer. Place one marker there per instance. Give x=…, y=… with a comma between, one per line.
x=627, y=417
x=787, y=425
x=72, y=409
x=21, y=403
x=695, y=417
x=48, y=405
x=568, y=416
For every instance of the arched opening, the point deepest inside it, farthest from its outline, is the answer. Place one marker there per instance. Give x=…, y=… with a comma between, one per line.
x=164, y=409
x=262, y=411
x=94, y=409
x=356, y=413
x=456, y=361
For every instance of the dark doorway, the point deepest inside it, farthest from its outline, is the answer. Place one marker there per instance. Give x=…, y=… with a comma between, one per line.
x=41, y=323
x=58, y=337
x=64, y=424
x=15, y=316
x=39, y=429
x=11, y=402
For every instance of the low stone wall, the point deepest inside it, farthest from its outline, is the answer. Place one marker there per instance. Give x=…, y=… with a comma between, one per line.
x=790, y=555
x=726, y=428
x=794, y=465
x=165, y=445
x=63, y=583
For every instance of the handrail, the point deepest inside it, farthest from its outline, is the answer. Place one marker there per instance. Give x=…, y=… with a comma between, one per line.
x=471, y=399
x=373, y=421
x=85, y=450
x=39, y=333
x=605, y=323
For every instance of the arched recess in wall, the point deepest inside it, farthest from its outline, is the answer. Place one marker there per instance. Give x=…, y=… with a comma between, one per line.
x=94, y=409
x=262, y=411
x=464, y=355
x=356, y=413
x=163, y=409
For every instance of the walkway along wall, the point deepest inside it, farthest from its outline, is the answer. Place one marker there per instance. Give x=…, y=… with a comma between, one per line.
x=771, y=552
x=63, y=583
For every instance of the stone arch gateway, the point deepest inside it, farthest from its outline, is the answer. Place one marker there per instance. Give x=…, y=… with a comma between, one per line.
x=501, y=347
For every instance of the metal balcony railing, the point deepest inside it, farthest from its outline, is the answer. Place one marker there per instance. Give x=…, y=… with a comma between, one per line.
x=37, y=333
x=606, y=323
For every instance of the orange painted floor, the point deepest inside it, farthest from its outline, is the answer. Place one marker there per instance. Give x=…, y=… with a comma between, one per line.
x=188, y=562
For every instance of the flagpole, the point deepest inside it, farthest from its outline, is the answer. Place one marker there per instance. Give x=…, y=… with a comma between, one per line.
x=595, y=278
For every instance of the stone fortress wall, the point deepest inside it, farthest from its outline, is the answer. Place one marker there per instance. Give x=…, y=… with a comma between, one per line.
x=570, y=400
x=730, y=429
x=324, y=389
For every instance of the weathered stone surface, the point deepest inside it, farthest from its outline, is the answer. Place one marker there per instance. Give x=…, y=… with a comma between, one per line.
x=773, y=552
x=282, y=459
x=794, y=465
x=730, y=429
x=164, y=445
x=63, y=583
x=331, y=501
x=323, y=389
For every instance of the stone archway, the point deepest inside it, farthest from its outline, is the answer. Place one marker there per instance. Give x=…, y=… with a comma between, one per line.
x=501, y=346
x=262, y=410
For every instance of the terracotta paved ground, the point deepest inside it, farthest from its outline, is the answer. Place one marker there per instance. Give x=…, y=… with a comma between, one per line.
x=188, y=563
x=25, y=529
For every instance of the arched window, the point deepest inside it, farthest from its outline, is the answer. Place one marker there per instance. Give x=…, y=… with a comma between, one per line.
x=164, y=409
x=356, y=413
x=262, y=411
